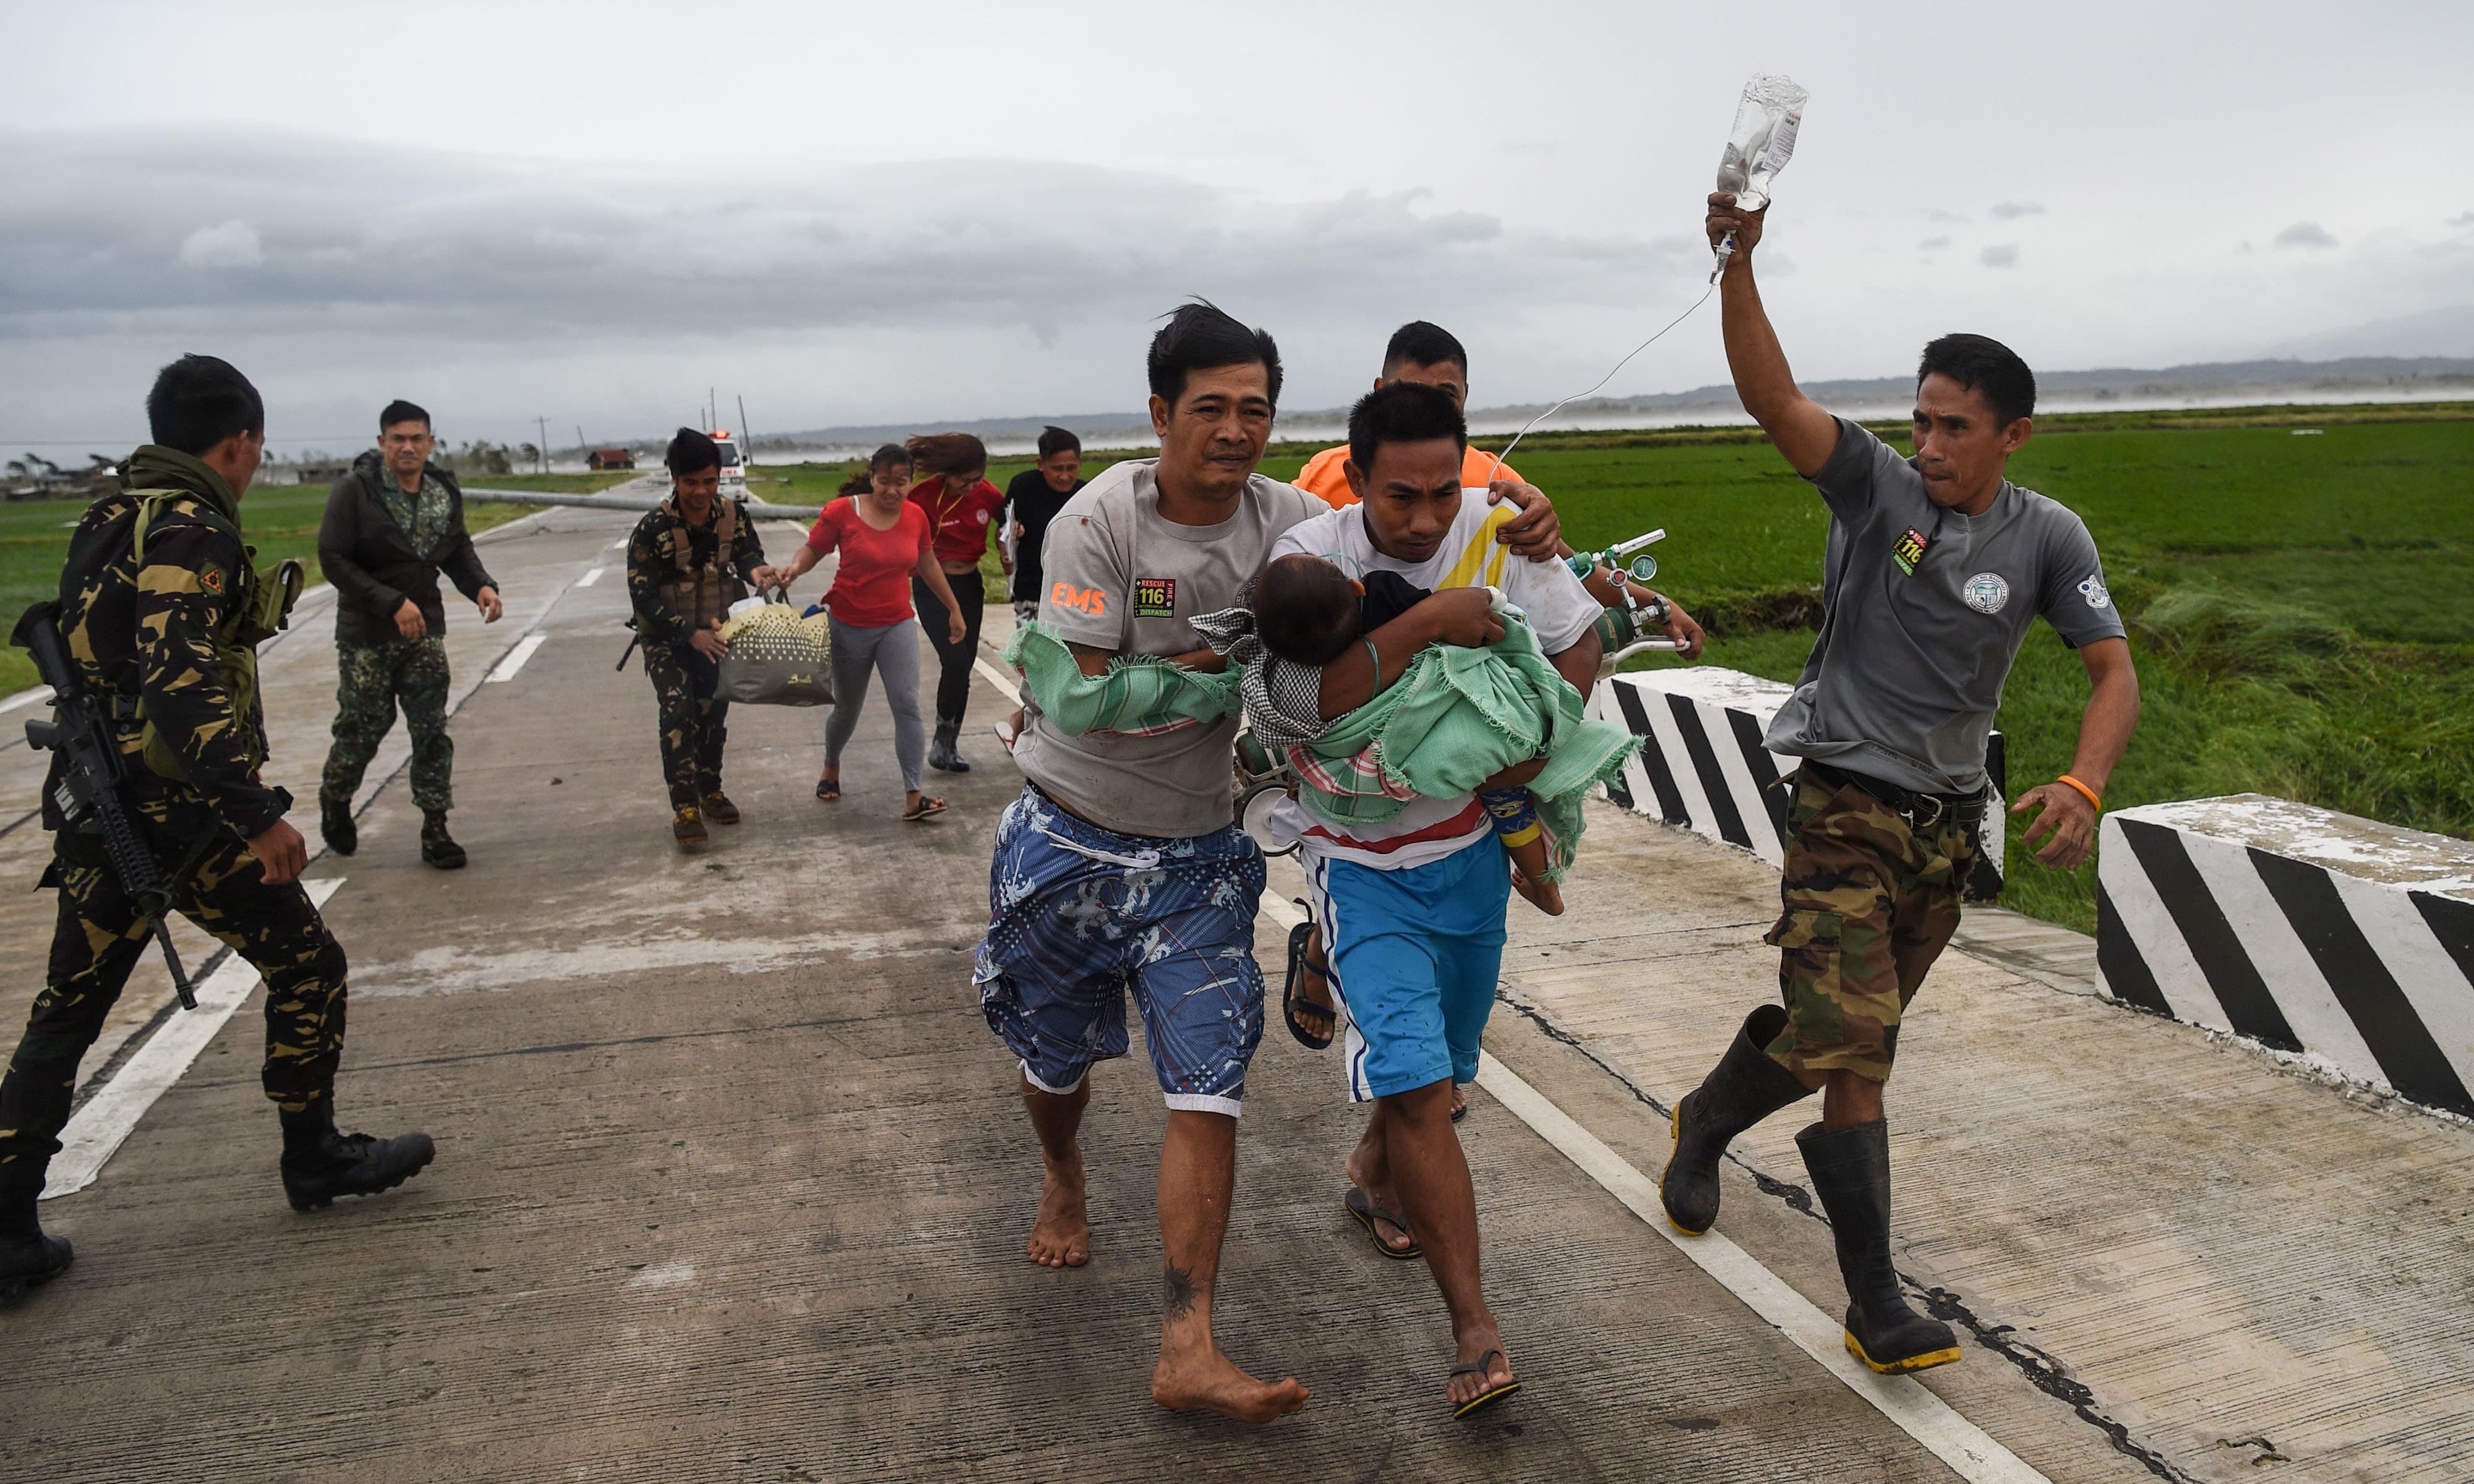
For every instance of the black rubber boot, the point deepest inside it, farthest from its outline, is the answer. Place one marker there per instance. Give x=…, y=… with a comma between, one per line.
x=1742, y=1089
x=320, y=1164
x=1850, y=1173
x=944, y=750
x=438, y=848
x=27, y=1257
x=335, y=823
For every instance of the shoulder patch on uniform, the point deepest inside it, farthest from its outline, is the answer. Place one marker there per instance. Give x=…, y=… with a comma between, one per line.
x=211, y=579
x=2092, y=589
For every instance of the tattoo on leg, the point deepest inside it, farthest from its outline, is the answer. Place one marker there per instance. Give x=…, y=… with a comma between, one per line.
x=1179, y=1286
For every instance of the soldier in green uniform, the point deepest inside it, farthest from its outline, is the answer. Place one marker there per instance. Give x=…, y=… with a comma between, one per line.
x=393, y=525
x=1935, y=567
x=690, y=557
x=162, y=610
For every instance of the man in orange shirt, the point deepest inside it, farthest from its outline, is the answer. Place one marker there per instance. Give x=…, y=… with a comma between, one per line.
x=1428, y=356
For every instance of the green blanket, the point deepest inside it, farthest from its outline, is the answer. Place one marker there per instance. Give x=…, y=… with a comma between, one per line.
x=1137, y=693
x=1457, y=717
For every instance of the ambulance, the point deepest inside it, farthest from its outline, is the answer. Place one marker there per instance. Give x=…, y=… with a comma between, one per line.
x=734, y=468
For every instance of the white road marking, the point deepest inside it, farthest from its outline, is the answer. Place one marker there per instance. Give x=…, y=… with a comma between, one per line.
x=619, y=544
x=98, y=1130
x=44, y=693
x=1918, y=1413
x=1967, y=1449
x=998, y=678
x=592, y=577
x=514, y=660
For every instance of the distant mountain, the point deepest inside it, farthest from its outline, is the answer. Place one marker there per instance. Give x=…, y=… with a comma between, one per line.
x=2349, y=378
x=2446, y=331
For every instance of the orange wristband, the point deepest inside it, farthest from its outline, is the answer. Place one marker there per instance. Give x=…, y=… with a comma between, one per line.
x=2093, y=802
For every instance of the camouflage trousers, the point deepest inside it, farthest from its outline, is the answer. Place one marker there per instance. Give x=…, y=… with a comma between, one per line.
x=1870, y=902
x=691, y=720
x=372, y=679
x=98, y=938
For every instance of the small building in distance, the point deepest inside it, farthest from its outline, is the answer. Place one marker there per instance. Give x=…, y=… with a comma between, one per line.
x=325, y=471
x=610, y=458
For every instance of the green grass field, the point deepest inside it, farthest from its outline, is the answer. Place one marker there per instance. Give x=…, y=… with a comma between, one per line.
x=281, y=520
x=2302, y=608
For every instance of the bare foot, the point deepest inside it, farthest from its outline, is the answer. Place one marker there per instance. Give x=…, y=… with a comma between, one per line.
x=1460, y=1100
x=1060, y=1237
x=1469, y=1348
x=1544, y=896
x=1186, y=1380
x=1381, y=1197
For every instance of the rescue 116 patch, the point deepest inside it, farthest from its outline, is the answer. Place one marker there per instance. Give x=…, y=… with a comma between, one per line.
x=1909, y=550
x=1155, y=597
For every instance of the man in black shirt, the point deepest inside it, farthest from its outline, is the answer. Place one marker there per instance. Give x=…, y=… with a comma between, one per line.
x=1032, y=500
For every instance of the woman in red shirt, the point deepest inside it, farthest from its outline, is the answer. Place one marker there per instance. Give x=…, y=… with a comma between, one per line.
x=884, y=544
x=961, y=508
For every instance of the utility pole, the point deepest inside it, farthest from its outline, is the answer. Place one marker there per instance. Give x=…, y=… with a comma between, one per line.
x=583, y=450
x=712, y=411
x=541, y=450
x=746, y=438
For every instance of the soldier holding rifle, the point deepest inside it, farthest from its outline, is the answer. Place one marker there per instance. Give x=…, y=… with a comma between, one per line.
x=158, y=619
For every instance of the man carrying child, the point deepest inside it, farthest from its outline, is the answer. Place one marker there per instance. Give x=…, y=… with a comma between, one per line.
x=1414, y=902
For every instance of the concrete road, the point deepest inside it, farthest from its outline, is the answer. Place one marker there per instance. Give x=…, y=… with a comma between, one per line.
x=733, y=1181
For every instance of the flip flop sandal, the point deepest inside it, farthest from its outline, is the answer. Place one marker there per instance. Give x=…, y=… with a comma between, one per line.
x=829, y=793
x=1484, y=1397
x=928, y=808
x=1007, y=735
x=1462, y=1112
x=1363, y=1208
x=1292, y=1006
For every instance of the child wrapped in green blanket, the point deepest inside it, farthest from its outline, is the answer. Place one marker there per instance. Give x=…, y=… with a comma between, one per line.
x=1452, y=722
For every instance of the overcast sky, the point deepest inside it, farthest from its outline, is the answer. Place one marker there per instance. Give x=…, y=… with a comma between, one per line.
x=854, y=213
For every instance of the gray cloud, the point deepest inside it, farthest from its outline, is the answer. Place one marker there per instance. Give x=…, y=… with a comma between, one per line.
x=1942, y=218
x=1933, y=244
x=1999, y=256
x=2011, y=210
x=2466, y=219
x=2305, y=234
x=311, y=244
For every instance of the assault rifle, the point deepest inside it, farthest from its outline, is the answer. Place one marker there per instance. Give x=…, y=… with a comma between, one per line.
x=91, y=770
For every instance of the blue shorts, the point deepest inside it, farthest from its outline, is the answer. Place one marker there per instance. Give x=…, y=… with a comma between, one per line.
x=1079, y=915
x=1415, y=955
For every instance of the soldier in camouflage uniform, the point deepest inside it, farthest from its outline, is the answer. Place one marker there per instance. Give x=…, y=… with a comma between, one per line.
x=162, y=610
x=1919, y=632
x=392, y=526
x=690, y=558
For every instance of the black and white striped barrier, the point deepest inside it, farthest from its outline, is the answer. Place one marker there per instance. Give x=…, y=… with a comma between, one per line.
x=2344, y=940
x=1704, y=767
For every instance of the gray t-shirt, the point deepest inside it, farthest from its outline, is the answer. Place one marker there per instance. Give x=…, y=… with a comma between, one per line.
x=1924, y=611
x=1119, y=577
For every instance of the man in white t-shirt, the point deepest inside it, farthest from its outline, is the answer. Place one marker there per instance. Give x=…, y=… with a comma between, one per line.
x=1413, y=907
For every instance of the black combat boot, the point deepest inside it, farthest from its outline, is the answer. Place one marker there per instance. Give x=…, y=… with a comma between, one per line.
x=335, y=823
x=27, y=1257
x=944, y=750
x=1850, y=1173
x=719, y=809
x=320, y=1164
x=438, y=848
x=1742, y=1089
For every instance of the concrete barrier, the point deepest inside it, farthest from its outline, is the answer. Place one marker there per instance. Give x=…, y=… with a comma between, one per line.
x=2345, y=940
x=1705, y=769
